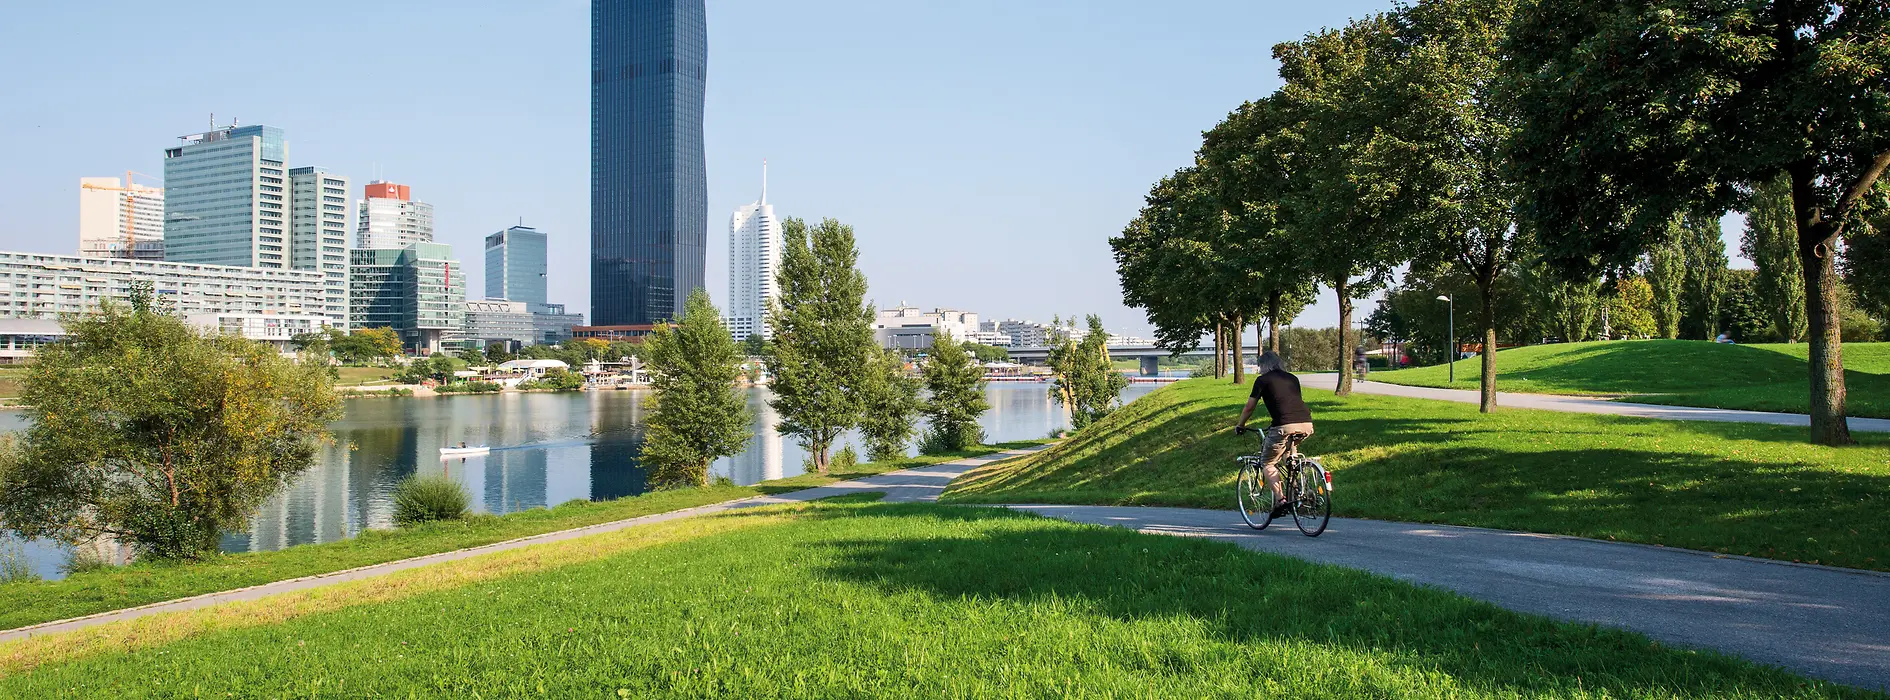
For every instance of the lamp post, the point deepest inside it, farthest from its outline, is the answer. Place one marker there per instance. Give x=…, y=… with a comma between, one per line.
x=1452, y=340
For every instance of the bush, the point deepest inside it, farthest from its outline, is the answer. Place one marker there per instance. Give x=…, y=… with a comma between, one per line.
x=420, y=499
x=13, y=565
x=554, y=380
x=939, y=441
x=82, y=559
x=470, y=388
x=844, y=460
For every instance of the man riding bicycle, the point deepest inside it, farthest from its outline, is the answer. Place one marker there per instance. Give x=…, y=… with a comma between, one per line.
x=1280, y=390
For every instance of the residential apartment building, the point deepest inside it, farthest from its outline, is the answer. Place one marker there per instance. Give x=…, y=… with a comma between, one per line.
x=754, y=262
x=120, y=219
x=419, y=291
x=318, y=234
x=517, y=267
x=227, y=198
x=392, y=219
x=1023, y=334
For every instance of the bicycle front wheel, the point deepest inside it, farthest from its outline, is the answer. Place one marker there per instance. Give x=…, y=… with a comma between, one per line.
x=1253, y=497
x=1312, y=504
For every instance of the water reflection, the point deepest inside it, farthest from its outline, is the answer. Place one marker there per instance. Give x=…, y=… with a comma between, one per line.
x=546, y=449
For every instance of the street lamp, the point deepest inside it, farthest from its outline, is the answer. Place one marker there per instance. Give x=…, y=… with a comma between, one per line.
x=1453, y=335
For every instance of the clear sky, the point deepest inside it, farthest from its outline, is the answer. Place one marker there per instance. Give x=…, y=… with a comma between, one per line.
x=984, y=151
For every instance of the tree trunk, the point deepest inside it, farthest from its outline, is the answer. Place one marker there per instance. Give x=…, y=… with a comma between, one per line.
x=1487, y=382
x=1219, y=354
x=1259, y=341
x=1234, y=332
x=1273, y=323
x=1339, y=287
x=1823, y=330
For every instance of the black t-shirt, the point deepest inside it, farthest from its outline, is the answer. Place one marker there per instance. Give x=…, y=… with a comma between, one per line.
x=1280, y=391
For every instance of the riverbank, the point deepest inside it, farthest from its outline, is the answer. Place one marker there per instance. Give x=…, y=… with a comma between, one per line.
x=879, y=600
x=1754, y=490
x=115, y=588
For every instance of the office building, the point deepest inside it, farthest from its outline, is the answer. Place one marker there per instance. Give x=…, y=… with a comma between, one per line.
x=226, y=198
x=516, y=266
x=318, y=234
x=120, y=219
x=419, y=291
x=1023, y=334
x=907, y=328
x=392, y=219
x=498, y=322
x=649, y=188
x=551, y=325
x=754, y=259
x=40, y=286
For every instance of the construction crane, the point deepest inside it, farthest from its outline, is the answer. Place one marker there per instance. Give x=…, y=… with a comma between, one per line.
x=129, y=199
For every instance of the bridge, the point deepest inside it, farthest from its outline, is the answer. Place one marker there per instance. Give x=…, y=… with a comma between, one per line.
x=1148, y=354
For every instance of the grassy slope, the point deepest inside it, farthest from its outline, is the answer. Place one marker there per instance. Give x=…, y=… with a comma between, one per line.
x=908, y=601
x=115, y=588
x=1674, y=372
x=1724, y=487
x=356, y=376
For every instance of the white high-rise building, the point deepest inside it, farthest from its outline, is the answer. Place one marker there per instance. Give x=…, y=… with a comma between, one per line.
x=392, y=219
x=318, y=234
x=754, y=258
x=120, y=219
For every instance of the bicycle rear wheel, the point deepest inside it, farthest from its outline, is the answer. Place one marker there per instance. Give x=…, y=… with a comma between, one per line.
x=1253, y=497
x=1312, y=504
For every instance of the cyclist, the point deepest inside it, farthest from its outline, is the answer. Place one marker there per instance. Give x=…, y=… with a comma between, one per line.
x=1280, y=390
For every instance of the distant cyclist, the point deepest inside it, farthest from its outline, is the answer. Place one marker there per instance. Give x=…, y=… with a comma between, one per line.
x=1280, y=390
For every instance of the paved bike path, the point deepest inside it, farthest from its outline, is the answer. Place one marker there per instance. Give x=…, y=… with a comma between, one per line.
x=1590, y=404
x=919, y=483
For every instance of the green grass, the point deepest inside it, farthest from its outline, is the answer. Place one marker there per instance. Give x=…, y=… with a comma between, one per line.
x=1725, y=487
x=1673, y=372
x=113, y=588
x=356, y=376
x=905, y=601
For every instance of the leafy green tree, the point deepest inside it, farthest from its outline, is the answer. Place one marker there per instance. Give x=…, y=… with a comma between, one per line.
x=1771, y=243
x=1742, y=314
x=152, y=433
x=472, y=357
x=823, y=335
x=497, y=354
x=890, y=398
x=1632, y=112
x=699, y=415
x=954, y=399
x=366, y=345
x=1666, y=272
x=1086, y=382
x=987, y=353
x=755, y=345
x=1705, y=290
x=1631, y=308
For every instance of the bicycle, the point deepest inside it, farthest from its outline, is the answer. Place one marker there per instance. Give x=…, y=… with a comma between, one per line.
x=1307, y=484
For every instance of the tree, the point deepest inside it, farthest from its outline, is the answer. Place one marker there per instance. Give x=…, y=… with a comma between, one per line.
x=1636, y=111
x=1666, y=272
x=890, y=399
x=823, y=335
x=954, y=397
x=1086, y=382
x=755, y=345
x=987, y=353
x=1631, y=308
x=1742, y=314
x=473, y=357
x=155, y=434
x=366, y=345
x=699, y=415
x=1771, y=243
x=437, y=368
x=497, y=354
x=1343, y=204
x=1705, y=291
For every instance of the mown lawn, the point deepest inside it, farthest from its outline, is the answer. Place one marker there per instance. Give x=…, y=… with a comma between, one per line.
x=356, y=376
x=871, y=600
x=1673, y=372
x=28, y=603
x=1724, y=487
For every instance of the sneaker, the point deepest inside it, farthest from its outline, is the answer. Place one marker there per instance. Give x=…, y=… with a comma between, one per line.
x=1281, y=508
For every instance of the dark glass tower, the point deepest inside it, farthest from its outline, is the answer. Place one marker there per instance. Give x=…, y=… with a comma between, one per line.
x=649, y=191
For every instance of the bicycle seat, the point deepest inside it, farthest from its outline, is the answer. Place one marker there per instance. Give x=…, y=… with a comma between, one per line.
x=1293, y=441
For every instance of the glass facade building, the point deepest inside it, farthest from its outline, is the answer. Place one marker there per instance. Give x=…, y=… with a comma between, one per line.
x=516, y=266
x=226, y=199
x=419, y=291
x=318, y=233
x=649, y=188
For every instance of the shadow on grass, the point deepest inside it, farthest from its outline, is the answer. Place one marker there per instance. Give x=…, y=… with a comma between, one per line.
x=1249, y=598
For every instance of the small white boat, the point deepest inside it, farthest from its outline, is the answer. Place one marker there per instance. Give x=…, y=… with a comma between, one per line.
x=464, y=451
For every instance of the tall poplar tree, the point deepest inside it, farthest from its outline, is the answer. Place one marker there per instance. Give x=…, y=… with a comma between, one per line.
x=1666, y=272
x=1706, y=273
x=890, y=400
x=1771, y=243
x=700, y=415
x=823, y=336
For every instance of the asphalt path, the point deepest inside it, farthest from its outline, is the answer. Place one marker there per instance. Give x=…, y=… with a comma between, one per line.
x=1589, y=404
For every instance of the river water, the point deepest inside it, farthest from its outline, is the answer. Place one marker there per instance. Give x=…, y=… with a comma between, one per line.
x=546, y=449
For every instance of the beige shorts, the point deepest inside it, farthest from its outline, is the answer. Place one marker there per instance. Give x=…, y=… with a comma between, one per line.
x=1275, y=443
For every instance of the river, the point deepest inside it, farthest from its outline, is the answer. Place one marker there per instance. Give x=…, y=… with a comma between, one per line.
x=546, y=449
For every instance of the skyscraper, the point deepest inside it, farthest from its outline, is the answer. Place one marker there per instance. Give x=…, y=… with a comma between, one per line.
x=754, y=258
x=516, y=266
x=391, y=218
x=120, y=220
x=649, y=190
x=226, y=198
x=318, y=234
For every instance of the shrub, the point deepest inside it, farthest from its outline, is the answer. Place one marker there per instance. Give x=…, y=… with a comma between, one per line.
x=470, y=388
x=13, y=565
x=82, y=559
x=939, y=441
x=420, y=499
x=844, y=460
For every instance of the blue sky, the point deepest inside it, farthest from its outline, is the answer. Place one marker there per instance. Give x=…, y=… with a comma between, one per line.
x=983, y=151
